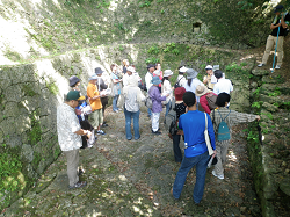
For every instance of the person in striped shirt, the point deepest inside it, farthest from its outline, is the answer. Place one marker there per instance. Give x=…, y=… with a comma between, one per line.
x=230, y=117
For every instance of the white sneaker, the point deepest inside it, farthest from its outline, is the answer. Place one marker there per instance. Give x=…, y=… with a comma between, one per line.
x=260, y=65
x=278, y=67
x=218, y=176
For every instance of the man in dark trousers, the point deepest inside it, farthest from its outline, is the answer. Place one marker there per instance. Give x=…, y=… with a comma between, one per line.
x=104, y=99
x=281, y=20
x=195, y=150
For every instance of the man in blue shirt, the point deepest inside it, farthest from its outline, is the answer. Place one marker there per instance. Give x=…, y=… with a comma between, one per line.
x=195, y=153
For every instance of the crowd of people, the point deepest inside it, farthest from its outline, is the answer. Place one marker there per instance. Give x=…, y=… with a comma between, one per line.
x=198, y=106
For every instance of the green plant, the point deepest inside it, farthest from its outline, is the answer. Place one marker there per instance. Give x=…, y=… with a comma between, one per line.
x=152, y=60
x=35, y=133
x=154, y=50
x=121, y=48
x=171, y=47
x=256, y=105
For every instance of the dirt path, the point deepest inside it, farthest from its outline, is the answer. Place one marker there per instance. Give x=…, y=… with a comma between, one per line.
x=134, y=178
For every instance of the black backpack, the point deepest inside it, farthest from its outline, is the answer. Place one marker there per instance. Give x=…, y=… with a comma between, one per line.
x=177, y=84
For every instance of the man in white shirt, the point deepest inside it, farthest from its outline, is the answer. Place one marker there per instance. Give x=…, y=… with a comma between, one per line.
x=69, y=136
x=148, y=81
x=181, y=80
x=127, y=75
x=223, y=85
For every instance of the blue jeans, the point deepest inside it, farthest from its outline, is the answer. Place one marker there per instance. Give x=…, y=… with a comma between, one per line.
x=115, y=100
x=149, y=112
x=167, y=109
x=176, y=148
x=200, y=162
x=128, y=116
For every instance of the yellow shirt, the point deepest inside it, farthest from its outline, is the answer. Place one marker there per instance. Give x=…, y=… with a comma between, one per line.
x=91, y=92
x=209, y=84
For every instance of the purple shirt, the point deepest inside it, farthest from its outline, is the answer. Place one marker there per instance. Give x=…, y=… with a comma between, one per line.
x=156, y=99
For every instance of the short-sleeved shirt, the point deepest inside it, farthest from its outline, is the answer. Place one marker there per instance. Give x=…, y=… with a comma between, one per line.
x=115, y=77
x=91, y=92
x=67, y=124
x=282, y=30
x=223, y=86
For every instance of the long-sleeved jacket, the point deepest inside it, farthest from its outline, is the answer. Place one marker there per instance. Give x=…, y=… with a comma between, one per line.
x=148, y=80
x=204, y=103
x=156, y=99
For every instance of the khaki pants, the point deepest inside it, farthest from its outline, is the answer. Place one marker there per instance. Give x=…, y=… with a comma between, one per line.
x=96, y=118
x=221, y=149
x=72, y=158
x=271, y=41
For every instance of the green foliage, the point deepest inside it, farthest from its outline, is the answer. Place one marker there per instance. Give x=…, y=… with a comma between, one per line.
x=152, y=60
x=256, y=105
x=10, y=169
x=52, y=87
x=35, y=133
x=121, y=48
x=257, y=91
x=120, y=26
x=172, y=48
x=145, y=3
x=154, y=50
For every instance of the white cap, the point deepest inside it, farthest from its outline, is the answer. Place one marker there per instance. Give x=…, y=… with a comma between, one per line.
x=130, y=69
x=167, y=73
x=183, y=69
x=209, y=67
x=156, y=72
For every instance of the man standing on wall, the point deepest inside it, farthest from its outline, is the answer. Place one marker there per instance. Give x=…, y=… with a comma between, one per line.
x=69, y=136
x=281, y=20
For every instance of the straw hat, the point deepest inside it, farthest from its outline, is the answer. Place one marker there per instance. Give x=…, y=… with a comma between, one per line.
x=201, y=90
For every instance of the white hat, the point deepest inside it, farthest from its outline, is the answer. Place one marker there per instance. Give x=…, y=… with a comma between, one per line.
x=208, y=67
x=167, y=73
x=130, y=69
x=183, y=69
x=156, y=72
x=94, y=77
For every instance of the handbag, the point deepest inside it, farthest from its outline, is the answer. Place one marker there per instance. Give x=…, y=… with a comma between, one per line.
x=206, y=137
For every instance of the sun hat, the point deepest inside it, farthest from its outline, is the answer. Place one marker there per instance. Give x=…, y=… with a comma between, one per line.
x=130, y=69
x=156, y=81
x=183, y=69
x=279, y=9
x=73, y=80
x=149, y=66
x=208, y=67
x=191, y=73
x=156, y=72
x=201, y=90
x=98, y=70
x=93, y=77
x=73, y=95
x=167, y=73
x=178, y=93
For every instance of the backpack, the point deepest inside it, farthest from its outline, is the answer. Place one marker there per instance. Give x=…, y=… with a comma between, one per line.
x=177, y=84
x=223, y=132
x=148, y=102
x=211, y=99
x=170, y=120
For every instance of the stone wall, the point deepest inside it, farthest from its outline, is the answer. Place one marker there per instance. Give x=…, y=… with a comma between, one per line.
x=269, y=153
x=50, y=27
x=30, y=94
